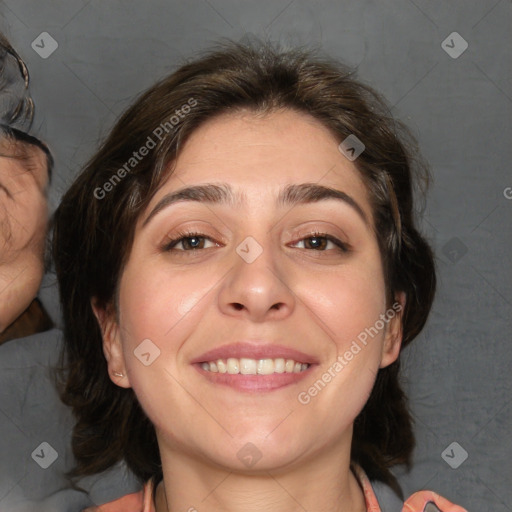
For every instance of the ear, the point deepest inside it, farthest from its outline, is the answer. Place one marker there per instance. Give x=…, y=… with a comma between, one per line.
x=112, y=346
x=393, y=338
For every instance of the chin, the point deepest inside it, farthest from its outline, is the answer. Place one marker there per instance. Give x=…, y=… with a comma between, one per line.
x=257, y=453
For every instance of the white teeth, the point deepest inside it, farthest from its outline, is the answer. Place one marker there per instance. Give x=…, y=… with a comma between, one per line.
x=279, y=365
x=247, y=366
x=221, y=365
x=290, y=364
x=265, y=367
x=233, y=365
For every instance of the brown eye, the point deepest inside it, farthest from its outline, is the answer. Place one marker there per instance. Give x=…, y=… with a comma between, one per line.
x=187, y=242
x=320, y=242
x=316, y=242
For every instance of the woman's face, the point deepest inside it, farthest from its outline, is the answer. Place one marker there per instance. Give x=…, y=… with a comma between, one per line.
x=277, y=269
x=23, y=220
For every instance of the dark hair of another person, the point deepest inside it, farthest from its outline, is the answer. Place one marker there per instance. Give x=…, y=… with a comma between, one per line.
x=93, y=237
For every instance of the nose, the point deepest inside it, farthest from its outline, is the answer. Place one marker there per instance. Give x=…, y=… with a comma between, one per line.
x=258, y=290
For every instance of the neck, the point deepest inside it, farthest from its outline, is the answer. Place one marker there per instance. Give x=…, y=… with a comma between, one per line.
x=33, y=320
x=322, y=482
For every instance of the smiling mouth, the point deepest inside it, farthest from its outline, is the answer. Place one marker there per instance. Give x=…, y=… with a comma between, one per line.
x=254, y=375
x=247, y=366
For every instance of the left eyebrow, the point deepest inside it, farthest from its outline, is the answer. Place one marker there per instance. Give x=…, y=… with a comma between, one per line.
x=222, y=193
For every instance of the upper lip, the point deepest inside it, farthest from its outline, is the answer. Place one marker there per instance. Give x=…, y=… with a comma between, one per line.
x=254, y=350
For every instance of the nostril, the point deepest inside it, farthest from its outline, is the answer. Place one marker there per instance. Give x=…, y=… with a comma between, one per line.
x=238, y=306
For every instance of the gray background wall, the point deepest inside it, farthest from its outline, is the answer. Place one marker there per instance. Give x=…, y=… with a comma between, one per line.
x=458, y=372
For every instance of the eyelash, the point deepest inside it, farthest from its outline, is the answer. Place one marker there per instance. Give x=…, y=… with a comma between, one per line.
x=170, y=243
x=341, y=246
x=180, y=236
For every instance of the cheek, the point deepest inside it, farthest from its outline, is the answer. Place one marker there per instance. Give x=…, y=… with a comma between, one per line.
x=163, y=308
x=348, y=301
x=347, y=305
x=38, y=220
x=154, y=303
x=23, y=226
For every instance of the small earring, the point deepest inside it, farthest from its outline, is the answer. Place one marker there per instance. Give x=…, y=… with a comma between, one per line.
x=118, y=374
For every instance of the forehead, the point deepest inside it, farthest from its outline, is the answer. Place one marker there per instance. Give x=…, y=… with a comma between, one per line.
x=260, y=153
x=18, y=157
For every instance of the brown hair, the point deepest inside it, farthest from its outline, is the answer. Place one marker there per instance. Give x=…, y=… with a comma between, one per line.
x=93, y=235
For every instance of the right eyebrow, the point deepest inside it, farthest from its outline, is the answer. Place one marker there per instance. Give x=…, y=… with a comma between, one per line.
x=209, y=193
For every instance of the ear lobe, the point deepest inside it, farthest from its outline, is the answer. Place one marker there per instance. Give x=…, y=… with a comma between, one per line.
x=112, y=346
x=394, y=331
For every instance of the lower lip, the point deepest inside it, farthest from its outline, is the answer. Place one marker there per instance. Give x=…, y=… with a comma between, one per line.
x=254, y=383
